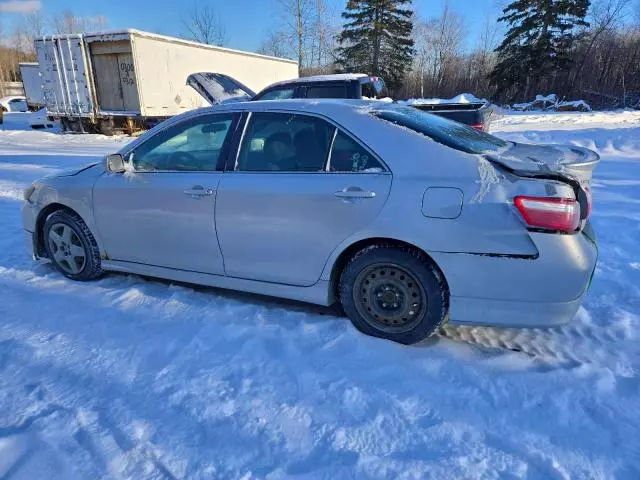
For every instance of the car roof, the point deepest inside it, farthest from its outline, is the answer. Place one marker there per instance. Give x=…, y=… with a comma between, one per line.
x=326, y=106
x=338, y=110
x=337, y=77
x=12, y=97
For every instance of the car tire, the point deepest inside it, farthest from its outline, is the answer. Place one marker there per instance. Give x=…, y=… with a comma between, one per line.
x=71, y=246
x=395, y=293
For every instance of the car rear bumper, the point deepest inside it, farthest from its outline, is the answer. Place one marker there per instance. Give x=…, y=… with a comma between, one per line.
x=498, y=313
x=522, y=292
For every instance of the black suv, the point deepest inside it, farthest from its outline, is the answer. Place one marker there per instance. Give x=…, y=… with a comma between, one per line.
x=217, y=88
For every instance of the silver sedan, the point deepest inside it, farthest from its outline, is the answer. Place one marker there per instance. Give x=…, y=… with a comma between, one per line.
x=405, y=219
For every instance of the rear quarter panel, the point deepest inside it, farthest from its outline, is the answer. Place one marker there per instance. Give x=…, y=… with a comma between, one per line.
x=486, y=223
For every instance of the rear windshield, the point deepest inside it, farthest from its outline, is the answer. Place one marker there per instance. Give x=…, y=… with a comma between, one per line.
x=447, y=132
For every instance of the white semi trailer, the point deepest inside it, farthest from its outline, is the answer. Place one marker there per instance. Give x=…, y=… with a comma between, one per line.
x=129, y=80
x=32, y=84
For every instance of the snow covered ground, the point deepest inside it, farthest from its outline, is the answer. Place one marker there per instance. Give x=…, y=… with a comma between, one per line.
x=134, y=378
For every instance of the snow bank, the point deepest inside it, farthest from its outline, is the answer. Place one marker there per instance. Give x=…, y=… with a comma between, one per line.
x=128, y=377
x=550, y=102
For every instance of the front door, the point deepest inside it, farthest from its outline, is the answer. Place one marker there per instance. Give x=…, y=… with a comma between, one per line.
x=295, y=193
x=161, y=211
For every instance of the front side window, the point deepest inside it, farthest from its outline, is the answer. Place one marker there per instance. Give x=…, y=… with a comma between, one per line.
x=192, y=145
x=347, y=155
x=277, y=94
x=327, y=91
x=284, y=142
x=447, y=132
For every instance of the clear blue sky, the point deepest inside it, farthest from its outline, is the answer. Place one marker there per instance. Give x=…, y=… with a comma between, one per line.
x=246, y=21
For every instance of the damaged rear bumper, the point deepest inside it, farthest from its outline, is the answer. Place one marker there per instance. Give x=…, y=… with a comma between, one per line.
x=517, y=292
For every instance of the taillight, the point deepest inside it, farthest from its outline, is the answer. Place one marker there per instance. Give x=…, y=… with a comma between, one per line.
x=478, y=126
x=561, y=214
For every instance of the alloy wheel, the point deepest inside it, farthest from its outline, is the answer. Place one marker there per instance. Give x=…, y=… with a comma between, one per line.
x=67, y=249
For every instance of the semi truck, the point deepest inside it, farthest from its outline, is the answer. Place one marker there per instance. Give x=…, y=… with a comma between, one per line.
x=130, y=80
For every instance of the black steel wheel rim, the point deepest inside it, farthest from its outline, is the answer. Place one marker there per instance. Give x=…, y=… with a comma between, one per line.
x=389, y=298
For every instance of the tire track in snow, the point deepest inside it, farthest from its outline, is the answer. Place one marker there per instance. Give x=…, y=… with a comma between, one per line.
x=560, y=347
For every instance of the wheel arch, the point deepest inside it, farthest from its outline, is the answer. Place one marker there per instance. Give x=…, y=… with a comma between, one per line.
x=350, y=251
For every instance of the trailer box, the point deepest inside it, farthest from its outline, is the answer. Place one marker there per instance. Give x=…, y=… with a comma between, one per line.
x=129, y=80
x=143, y=76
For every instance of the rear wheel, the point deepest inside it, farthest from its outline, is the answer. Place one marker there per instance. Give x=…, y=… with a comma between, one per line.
x=394, y=293
x=71, y=246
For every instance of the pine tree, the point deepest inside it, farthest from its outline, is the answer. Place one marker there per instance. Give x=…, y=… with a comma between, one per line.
x=538, y=43
x=376, y=39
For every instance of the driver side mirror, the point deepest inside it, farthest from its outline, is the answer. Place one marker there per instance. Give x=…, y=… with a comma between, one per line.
x=115, y=163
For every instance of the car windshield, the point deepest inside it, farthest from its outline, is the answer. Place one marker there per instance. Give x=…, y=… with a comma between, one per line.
x=447, y=132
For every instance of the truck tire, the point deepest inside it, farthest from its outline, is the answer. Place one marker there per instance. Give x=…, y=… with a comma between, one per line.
x=395, y=293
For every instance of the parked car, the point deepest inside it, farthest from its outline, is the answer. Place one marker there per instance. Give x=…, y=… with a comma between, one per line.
x=40, y=119
x=404, y=218
x=476, y=114
x=13, y=104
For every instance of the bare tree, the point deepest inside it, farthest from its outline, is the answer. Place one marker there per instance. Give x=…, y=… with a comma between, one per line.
x=35, y=24
x=604, y=16
x=275, y=44
x=438, y=42
x=306, y=33
x=322, y=41
x=297, y=19
x=205, y=26
x=67, y=22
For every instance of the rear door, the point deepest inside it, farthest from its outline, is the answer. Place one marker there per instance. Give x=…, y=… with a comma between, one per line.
x=63, y=69
x=115, y=76
x=296, y=190
x=52, y=79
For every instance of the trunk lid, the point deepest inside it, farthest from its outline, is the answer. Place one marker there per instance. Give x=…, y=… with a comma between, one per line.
x=568, y=163
x=219, y=88
x=544, y=160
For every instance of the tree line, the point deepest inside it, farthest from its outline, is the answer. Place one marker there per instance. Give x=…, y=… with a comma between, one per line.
x=577, y=49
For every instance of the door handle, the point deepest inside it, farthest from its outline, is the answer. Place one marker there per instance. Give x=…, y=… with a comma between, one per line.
x=354, y=193
x=198, y=191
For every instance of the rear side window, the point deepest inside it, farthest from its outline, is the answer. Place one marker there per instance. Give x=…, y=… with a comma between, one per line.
x=327, y=91
x=347, y=155
x=277, y=94
x=284, y=142
x=447, y=132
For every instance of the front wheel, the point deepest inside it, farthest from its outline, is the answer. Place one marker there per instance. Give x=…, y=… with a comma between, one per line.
x=71, y=246
x=394, y=293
